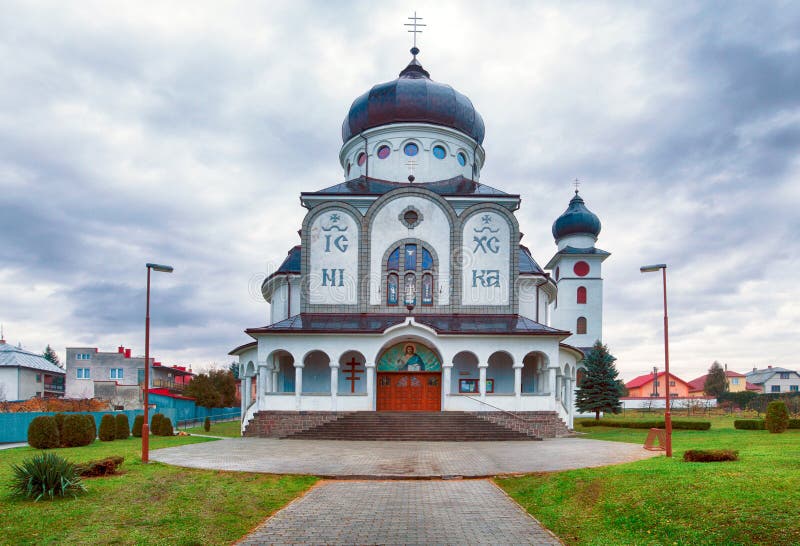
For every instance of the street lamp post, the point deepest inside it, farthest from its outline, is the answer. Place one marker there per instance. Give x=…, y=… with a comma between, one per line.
x=146, y=424
x=667, y=414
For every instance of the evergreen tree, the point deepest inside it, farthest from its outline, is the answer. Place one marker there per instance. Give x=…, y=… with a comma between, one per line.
x=599, y=389
x=234, y=369
x=716, y=382
x=50, y=354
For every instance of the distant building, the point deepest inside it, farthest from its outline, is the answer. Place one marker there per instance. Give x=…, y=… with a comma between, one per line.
x=737, y=382
x=773, y=380
x=652, y=386
x=117, y=376
x=25, y=375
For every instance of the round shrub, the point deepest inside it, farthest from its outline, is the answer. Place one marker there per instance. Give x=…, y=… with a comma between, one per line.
x=122, y=427
x=138, y=421
x=46, y=475
x=165, y=427
x=207, y=424
x=777, y=417
x=76, y=431
x=59, y=417
x=91, y=428
x=108, y=429
x=155, y=424
x=43, y=432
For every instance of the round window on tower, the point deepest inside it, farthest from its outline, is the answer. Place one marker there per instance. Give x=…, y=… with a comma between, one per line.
x=411, y=217
x=439, y=152
x=362, y=158
x=462, y=159
x=383, y=152
x=411, y=149
x=581, y=269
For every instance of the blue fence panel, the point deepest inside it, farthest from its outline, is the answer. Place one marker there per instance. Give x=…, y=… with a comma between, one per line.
x=14, y=426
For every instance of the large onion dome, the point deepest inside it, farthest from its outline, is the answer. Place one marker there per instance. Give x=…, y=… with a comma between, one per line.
x=576, y=220
x=413, y=97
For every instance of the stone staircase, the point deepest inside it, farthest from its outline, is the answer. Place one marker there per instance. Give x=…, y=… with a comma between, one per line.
x=411, y=426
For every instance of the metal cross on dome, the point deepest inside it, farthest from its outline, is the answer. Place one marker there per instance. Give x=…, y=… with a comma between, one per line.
x=415, y=24
x=577, y=184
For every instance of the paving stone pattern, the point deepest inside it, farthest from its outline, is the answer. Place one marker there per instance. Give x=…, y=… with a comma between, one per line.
x=340, y=459
x=402, y=512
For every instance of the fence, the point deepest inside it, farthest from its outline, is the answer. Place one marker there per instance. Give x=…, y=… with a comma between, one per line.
x=14, y=426
x=217, y=418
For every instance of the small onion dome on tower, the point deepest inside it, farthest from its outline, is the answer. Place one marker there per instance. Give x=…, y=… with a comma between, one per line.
x=413, y=97
x=576, y=220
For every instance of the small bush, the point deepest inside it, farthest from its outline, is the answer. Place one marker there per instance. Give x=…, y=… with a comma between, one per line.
x=46, y=475
x=77, y=431
x=676, y=424
x=794, y=423
x=43, y=432
x=101, y=467
x=59, y=417
x=155, y=424
x=122, y=428
x=138, y=421
x=749, y=424
x=777, y=420
x=108, y=429
x=710, y=455
x=165, y=427
x=207, y=424
x=91, y=427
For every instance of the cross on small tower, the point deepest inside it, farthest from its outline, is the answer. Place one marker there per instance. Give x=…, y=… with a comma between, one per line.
x=577, y=185
x=414, y=31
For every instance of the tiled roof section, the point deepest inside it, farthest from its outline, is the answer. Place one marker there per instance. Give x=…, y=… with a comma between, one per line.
x=14, y=357
x=244, y=347
x=458, y=186
x=646, y=378
x=526, y=262
x=759, y=377
x=377, y=323
x=697, y=385
x=292, y=262
x=578, y=251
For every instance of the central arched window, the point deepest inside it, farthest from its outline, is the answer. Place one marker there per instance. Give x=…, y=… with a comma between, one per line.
x=410, y=271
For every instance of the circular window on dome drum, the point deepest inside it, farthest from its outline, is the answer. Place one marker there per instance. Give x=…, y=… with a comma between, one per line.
x=581, y=269
x=411, y=149
x=383, y=152
x=462, y=159
x=362, y=158
x=439, y=152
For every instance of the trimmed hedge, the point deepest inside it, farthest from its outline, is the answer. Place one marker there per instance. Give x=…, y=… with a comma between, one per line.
x=122, y=429
x=710, y=455
x=138, y=421
x=207, y=424
x=108, y=432
x=43, y=432
x=676, y=424
x=155, y=424
x=777, y=420
x=59, y=417
x=91, y=428
x=165, y=427
x=77, y=431
x=749, y=424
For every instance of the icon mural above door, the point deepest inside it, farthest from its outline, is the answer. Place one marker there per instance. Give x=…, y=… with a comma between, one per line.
x=409, y=357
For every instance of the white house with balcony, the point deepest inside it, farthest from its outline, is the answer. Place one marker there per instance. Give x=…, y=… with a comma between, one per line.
x=411, y=289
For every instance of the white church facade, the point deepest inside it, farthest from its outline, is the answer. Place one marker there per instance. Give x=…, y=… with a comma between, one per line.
x=411, y=290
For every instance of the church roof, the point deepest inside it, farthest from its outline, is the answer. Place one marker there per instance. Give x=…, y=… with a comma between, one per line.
x=413, y=97
x=457, y=186
x=17, y=357
x=526, y=262
x=576, y=220
x=376, y=323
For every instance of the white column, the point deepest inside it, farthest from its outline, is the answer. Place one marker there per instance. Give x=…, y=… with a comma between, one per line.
x=334, y=384
x=518, y=384
x=263, y=374
x=274, y=379
x=370, y=368
x=482, y=381
x=246, y=393
x=447, y=375
x=298, y=384
x=551, y=380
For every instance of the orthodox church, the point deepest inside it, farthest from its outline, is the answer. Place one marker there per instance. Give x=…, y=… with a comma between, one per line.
x=411, y=290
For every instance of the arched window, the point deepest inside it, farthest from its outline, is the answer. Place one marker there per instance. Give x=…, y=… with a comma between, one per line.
x=427, y=289
x=392, y=285
x=581, y=294
x=410, y=289
x=393, y=263
x=581, y=326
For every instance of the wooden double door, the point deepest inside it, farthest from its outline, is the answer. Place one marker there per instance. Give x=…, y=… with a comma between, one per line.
x=409, y=391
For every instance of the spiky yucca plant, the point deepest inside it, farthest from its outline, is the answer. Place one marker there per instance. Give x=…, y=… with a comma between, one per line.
x=45, y=476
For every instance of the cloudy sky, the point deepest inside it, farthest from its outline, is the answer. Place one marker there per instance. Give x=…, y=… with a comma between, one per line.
x=183, y=133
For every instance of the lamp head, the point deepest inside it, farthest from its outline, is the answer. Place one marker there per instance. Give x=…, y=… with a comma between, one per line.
x=651, y=268
x=160, y=267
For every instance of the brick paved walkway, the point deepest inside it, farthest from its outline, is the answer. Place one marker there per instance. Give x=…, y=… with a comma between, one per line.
x=338, y=459
x=402, y=512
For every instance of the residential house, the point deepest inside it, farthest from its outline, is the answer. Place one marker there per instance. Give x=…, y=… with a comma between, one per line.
x=652, y=386
x=25, y=375
x=737, y=382
x=774, y=380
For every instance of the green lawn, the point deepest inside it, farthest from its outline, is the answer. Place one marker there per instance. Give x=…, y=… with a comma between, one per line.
x=145, y=504
x=229, y=429
x=755, y=500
